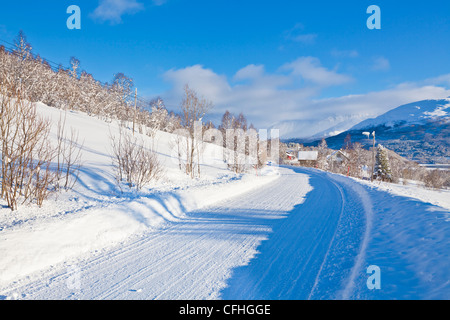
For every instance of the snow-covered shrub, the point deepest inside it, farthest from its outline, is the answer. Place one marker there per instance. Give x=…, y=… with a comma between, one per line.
x=135, y=163
x=26, y=152
x=435, y=179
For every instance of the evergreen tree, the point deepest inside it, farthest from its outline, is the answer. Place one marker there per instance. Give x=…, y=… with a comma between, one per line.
x=382, y=169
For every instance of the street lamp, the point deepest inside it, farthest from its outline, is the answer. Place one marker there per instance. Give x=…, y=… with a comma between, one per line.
x=367, y=134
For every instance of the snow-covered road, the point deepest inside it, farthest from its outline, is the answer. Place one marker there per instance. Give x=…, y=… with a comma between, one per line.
x=304, y=236
x=310, y=254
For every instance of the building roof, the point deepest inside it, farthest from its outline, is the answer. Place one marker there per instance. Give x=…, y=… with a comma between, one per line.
x=338, y=152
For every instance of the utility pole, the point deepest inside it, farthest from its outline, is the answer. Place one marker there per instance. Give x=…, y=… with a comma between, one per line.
x=373, y=156
x=367, y=134
x=135, y=108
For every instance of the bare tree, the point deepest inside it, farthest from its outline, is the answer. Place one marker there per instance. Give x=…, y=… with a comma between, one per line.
x=26, y=153
x=135, y=163
x=358, y=157
x=122, y=88
x=193, y=109
x=323, y=152
x=70, y=89
x=22, y=46
x=68, y=157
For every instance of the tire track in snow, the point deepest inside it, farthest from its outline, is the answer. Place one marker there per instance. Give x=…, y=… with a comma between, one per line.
x=317, y=252
x=368, y=212
x=192, y=258
x=366, y=202
x=290, y=259
x=196, y=258
x=316, y=281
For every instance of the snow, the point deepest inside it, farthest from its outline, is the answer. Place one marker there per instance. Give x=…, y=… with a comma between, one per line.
x=411, y=113
x=414, y=190
x=286, y=233
x=95, y=215
x=409, y=243
x=438, y=112
x=190, y=259
x=407, y=236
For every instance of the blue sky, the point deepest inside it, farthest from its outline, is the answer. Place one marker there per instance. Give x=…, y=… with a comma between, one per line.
x=273, y=60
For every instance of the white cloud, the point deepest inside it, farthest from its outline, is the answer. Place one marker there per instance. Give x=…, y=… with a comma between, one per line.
x=315, y=116
x=249, y=72
x=207, y=82
x=381, y=64
x=440, y=80
x=278, y=98
x=296, y=34
x=113, y=10
x=344, y=53
x=307, y=38
x=251, y=90
x=310, y=69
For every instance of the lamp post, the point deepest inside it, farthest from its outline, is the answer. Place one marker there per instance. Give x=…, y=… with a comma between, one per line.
x=373, y=156
x=367, y=134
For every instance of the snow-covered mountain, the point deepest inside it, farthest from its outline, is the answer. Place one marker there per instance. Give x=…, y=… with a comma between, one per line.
x=412, y=113
x=419, y=131
x=311, y=130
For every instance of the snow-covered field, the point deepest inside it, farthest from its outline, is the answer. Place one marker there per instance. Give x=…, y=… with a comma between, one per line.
x=288, y=233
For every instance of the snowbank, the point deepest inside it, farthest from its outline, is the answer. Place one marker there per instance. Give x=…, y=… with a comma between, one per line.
x=413, y=190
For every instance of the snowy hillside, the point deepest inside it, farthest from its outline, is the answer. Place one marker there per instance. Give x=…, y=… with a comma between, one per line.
x=98, y=214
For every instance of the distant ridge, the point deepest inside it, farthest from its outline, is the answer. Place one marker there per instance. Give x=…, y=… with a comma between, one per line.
x=418, y=131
